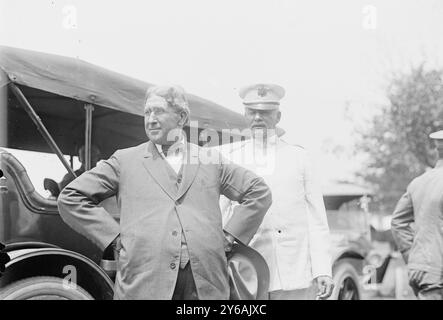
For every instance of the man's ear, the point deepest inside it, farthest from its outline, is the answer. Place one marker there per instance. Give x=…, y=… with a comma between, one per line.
x=278, y=116
x=183, y=118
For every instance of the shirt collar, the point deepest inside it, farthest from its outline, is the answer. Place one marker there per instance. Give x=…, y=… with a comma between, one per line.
x=179, y=146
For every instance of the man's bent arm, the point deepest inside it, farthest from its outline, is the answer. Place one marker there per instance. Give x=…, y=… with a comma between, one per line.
x=402, y=218
x=254, y=198
x=79, y=203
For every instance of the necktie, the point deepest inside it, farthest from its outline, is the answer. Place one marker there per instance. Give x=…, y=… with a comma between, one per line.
x=165, y=149
x=175, y=149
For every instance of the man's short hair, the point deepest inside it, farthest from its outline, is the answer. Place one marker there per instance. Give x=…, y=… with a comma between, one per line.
x=174, y=95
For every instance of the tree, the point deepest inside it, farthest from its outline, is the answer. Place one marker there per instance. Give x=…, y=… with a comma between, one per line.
x=396, y=141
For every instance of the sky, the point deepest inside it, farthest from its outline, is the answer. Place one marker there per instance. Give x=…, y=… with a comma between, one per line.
x=333, y=58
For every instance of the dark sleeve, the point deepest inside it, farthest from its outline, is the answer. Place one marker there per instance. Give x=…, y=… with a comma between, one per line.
x=252, y=194
x=79, y=202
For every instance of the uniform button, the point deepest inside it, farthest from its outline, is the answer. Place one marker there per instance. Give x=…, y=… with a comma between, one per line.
x=279, y=231
x=172, y=265
x=174, y=233
x=179, y=180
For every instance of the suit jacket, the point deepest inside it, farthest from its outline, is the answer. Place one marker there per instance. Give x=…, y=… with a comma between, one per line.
x=294, y=235
x=154, y=212
x=421, y=205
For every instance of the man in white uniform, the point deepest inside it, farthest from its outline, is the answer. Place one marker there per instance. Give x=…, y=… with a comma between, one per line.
x=294, y=235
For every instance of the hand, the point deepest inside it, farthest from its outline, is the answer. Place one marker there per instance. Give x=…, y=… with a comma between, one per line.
x=228, y=242
x=112, y=252
x=325, y=285
x=415, y=277
x=116, y=247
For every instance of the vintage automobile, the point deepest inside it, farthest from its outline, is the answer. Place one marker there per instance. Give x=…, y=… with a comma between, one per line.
x=354, y=268
x=54, y=104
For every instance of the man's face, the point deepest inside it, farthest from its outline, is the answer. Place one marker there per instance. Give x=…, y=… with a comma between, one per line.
x=262, y=120
x=160, y=119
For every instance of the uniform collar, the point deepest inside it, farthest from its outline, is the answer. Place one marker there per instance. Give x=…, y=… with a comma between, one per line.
x=271, y=141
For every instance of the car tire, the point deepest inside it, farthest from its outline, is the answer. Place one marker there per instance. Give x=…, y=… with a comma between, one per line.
x=43, y=288
x=346, y=282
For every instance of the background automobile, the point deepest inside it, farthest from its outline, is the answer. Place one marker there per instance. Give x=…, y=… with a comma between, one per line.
x=351, y=248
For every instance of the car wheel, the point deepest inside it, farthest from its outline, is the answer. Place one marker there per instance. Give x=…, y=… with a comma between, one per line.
x=43, y=288
x=346, y=281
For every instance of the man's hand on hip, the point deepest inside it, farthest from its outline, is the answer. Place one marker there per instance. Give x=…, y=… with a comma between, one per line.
x=112, y=252
x=228, y=242
x=117, y=246
x=325, y=285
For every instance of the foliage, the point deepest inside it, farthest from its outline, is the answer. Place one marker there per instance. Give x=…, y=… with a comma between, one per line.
x=396, y=141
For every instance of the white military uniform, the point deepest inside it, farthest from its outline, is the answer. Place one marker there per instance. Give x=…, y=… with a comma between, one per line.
x=294, y=235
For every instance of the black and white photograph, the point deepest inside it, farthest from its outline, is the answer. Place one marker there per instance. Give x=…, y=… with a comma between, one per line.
x=233, y=151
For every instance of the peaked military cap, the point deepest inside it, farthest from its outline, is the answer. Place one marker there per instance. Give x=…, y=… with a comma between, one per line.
x=262, y=96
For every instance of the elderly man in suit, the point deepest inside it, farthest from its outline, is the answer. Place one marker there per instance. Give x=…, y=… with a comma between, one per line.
x=417, y=227
x=170, y=243
x=294, y=236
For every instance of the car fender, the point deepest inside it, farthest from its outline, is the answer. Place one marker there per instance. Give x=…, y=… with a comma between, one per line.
x=69, y=265
x=343, y=252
